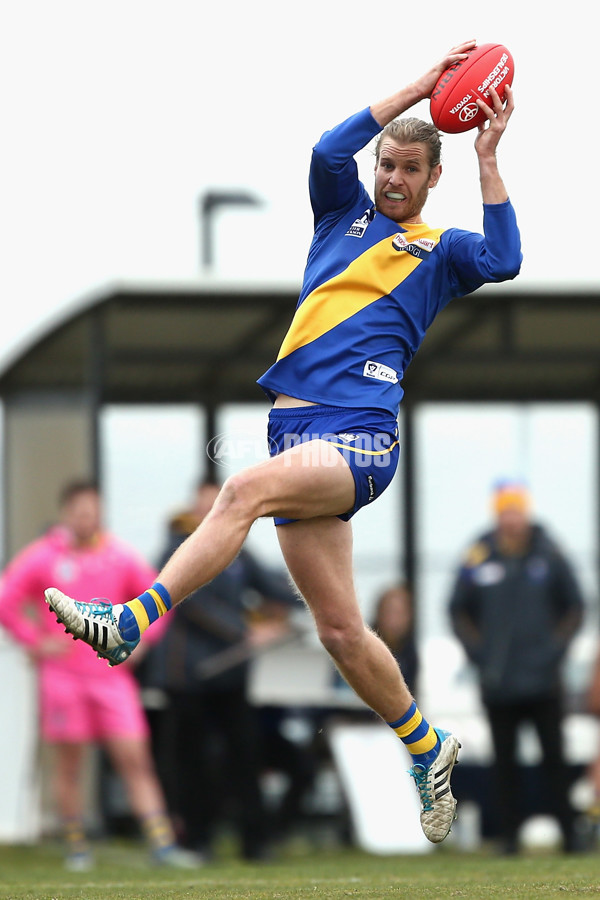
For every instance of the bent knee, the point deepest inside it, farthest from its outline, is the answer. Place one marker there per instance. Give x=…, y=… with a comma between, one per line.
x=241, y=493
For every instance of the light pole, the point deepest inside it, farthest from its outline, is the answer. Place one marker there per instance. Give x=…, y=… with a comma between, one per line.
x=209, y=202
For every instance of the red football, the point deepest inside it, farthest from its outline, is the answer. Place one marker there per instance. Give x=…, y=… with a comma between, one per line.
x=453, y=107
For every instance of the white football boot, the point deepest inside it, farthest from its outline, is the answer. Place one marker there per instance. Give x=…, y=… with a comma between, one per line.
x=94, y=623
x=438, y=806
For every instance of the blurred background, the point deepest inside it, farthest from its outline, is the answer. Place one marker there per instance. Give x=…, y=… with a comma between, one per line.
x=154, y=225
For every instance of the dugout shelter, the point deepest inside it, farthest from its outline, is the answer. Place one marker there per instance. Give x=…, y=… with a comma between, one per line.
x=206, y=342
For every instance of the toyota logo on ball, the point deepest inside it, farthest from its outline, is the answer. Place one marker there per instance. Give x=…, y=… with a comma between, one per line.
x=468, y=112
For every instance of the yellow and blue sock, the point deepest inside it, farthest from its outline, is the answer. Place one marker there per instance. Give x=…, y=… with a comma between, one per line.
x=419, y=737
x=76, y=844
x=138, y=614
x=158, y=831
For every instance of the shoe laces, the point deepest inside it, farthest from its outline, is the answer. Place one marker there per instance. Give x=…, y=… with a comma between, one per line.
x=94, y=609
x=420, y=775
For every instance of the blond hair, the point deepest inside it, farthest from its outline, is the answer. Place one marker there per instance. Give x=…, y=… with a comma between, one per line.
x=413, y=131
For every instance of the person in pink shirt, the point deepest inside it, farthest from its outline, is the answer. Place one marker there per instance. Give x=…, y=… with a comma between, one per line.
x=81, y=702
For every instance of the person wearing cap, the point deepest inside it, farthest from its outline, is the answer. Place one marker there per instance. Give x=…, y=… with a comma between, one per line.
x=515, y=606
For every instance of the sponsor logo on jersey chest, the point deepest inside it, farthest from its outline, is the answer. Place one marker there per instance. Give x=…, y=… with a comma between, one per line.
x=415, y=248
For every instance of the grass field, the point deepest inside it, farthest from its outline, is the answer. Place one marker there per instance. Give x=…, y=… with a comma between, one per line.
x=122, y=873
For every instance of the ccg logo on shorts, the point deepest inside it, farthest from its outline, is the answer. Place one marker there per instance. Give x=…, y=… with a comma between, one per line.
x=380, y=372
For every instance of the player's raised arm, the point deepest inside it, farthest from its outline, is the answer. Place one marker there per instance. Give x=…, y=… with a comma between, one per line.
x=486, y=143
x=386, y=110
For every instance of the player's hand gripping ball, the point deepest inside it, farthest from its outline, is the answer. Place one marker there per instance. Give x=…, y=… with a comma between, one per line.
x=452, y=106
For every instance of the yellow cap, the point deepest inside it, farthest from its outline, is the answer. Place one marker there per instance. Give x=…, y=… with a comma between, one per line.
x=511, y=495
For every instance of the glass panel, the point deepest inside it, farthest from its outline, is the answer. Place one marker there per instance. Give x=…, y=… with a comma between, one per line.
x=152, y=457
x=461, y=450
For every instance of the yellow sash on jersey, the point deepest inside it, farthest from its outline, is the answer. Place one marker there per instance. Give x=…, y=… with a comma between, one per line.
x=373, y=275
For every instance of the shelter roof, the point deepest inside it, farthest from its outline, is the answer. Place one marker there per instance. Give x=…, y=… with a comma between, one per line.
x=207, y=342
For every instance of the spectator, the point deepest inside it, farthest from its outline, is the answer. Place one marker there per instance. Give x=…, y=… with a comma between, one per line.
x=76, y=694
x=593, y=707
x=203, y=662
x=515, y=607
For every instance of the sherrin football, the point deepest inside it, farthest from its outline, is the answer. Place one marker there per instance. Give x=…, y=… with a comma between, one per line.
x=452, y=105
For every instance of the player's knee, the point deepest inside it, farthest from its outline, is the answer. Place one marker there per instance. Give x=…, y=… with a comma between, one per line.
x=239, y=494
x=342, y=641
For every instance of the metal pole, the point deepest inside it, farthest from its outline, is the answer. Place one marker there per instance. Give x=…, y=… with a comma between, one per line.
x=97, y=369
x=211, y=432
x=409, y=506
x=210, y=201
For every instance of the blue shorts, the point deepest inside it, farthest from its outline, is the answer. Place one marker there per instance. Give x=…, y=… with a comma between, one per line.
x=366, y=438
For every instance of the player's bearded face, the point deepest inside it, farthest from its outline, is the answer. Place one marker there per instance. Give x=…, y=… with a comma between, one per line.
x=403, y=178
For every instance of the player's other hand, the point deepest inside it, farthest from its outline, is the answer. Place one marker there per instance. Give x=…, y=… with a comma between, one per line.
x=49, y=648
x=497, y=116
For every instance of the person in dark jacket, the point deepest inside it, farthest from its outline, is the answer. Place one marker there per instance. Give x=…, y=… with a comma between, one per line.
x=515, y=607
x=202, y=663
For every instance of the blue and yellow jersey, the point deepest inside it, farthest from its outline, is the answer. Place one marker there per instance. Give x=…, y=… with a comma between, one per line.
x=372, y=287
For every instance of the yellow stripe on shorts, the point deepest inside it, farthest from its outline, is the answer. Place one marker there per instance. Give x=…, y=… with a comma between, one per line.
x=365, y=452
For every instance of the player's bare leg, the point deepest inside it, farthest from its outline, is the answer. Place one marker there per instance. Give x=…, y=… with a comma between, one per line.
x=309, y=479
x=318, y=554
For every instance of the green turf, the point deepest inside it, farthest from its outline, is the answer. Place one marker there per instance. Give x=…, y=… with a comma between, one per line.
x=123, y=873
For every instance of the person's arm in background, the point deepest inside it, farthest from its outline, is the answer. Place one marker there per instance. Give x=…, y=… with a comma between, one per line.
x=22, y=611
x=461, y=610
x=568, y=600
x=270, y=621
x=593, y=692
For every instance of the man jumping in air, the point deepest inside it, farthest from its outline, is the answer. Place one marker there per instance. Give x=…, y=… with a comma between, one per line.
x=375, y=279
